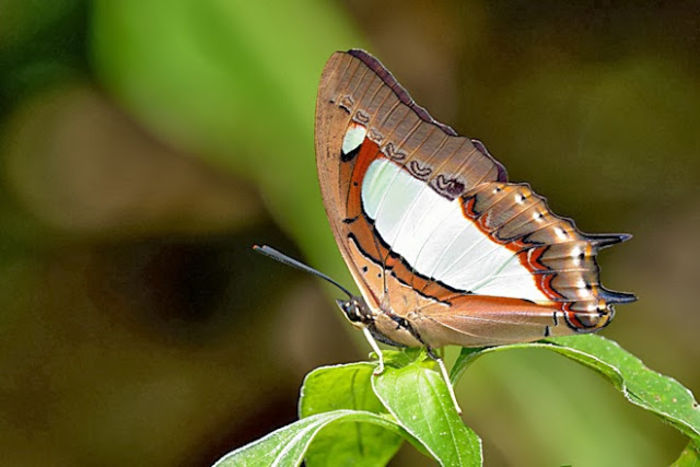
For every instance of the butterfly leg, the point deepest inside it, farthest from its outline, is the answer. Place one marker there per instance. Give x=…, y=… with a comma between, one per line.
x=446, y=377
x=373, y=343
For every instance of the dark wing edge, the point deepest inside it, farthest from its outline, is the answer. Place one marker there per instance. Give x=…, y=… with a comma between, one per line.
x=380, y=70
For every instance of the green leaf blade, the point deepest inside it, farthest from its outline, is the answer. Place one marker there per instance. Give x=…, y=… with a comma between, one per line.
x=418, y=398
x=657, y=393
x=287, y=445
x=690, y=457
x=346, y=387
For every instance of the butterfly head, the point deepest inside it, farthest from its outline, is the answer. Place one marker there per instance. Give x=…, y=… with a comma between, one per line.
x=355, y=311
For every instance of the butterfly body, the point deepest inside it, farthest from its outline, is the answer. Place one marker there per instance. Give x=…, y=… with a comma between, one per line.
x=443, y=248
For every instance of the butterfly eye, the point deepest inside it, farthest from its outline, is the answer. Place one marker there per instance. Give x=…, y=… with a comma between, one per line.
x=351, y=309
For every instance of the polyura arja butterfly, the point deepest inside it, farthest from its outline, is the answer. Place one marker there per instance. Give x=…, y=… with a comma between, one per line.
x=444, y=249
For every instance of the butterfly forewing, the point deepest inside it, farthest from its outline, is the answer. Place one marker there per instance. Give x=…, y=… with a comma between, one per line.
x=432, y=231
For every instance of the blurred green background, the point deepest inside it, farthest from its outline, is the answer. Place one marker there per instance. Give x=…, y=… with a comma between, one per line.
x=145, y=145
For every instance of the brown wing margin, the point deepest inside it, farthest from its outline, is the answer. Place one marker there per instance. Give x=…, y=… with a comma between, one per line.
x=388, y=78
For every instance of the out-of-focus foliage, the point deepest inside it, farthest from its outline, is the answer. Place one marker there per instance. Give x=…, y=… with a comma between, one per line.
x=145, y=145
x=233, y=81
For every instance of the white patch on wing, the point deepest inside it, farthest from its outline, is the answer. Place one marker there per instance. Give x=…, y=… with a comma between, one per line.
x=431, y=233
x=353, y=137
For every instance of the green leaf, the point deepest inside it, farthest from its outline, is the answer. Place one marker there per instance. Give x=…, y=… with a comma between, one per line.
x=416, y=395
x=338, y=387
x=659, y=394
x=287, y=446
x=690, y=457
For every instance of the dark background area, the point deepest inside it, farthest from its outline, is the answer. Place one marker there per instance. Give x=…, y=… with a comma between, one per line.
x=145, y=146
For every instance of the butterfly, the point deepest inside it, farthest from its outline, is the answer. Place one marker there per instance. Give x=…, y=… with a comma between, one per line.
x=444, y=249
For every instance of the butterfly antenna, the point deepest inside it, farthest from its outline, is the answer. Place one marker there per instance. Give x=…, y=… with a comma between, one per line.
x=284, y=259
